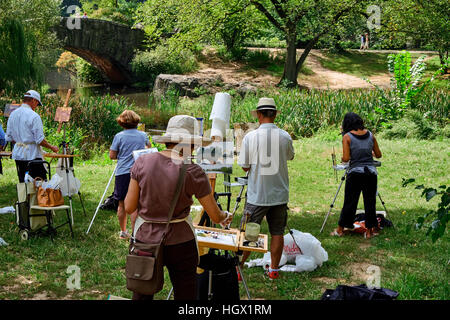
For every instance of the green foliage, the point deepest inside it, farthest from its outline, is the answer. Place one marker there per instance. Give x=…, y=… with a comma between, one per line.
x=440, y=216
x=426, y=23
x=86, y=72
x=20, y=68
x=123, y=12
x=405, y=86
x=417, y=125
x=147, y=65
x=92, y=121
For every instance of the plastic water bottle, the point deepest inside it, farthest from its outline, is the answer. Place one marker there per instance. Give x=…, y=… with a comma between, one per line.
x=28, y=178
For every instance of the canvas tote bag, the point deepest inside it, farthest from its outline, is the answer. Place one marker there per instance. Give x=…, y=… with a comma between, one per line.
x=48, y=197
x=144, y=264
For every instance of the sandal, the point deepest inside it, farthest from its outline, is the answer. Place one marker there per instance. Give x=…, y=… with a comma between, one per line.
x=124, y=235
x=336, y=234
x=370, y=234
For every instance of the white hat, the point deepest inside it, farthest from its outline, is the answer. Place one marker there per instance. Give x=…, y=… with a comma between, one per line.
x=33, y=94
x=182, y=129
x=265, y=104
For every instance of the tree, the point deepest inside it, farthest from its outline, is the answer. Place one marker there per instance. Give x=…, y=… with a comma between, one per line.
x=19, y=64
x=312, y=18
x=27, y=42
x=425, y=21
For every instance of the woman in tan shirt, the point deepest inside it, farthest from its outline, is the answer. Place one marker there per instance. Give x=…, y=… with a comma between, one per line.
x=153, y=181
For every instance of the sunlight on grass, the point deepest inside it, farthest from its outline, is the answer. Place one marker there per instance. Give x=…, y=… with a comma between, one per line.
x=410, y=263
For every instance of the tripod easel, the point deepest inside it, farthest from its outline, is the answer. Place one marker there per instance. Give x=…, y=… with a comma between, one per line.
x=63, y=116
x=347, y=168
x=242, y=182
x=101, y=200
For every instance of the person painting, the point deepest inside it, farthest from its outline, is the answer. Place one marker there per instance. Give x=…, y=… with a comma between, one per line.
x=122, y=147
x=264, y=155
x=153, y=181
x=359, y=146
x=25, y=130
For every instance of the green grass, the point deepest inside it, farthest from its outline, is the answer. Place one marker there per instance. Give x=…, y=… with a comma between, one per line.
x=360, y=64
x=366, y=64
x=409, y=262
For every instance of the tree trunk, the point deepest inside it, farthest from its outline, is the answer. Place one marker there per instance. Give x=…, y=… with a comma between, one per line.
x=442, y=59
x=305, y=53
x=290, y=73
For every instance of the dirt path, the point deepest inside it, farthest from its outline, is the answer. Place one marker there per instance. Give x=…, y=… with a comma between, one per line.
x=322, y=78
x=232, y=72
x=328, y=79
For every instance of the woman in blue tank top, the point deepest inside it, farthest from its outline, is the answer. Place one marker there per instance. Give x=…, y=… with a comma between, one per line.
x=359, y=146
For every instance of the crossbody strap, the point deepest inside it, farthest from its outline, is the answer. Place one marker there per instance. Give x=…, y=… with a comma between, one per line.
x=175, y=198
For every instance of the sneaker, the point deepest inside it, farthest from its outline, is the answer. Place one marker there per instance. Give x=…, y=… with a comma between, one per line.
x=124, y=235
x=274, y=274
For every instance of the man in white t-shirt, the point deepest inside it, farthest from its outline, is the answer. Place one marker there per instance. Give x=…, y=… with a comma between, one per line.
x=264, y=154
x=26, y=131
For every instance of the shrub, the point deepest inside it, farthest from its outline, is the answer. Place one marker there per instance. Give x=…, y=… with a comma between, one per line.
x=87, y=72
x=147, y=65
x=92, y=121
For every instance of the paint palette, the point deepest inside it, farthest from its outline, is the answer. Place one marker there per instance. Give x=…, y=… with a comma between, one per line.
x=217, y=238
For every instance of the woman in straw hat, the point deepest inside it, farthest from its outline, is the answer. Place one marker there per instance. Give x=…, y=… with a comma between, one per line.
x=122, y=147
x=153, y=181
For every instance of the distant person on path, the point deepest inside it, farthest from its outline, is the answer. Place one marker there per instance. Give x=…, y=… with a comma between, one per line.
x=123, y=145
x=264, y=154
x=362, y=42
x=84, y=16
x=359, y=146
x=26, y=131
x=366, y=44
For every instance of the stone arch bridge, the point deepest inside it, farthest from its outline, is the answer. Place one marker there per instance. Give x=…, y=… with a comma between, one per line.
x=109, y=46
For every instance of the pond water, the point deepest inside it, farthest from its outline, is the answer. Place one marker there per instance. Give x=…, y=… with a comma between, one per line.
x=61, y=82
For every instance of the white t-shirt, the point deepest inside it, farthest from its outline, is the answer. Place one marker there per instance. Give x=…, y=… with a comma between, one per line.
x=266, y=151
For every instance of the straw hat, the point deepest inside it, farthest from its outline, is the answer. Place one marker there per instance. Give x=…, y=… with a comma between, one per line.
x=265, y=104
x=182, y=129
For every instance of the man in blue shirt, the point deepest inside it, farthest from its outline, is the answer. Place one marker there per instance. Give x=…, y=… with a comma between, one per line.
x=2, y=138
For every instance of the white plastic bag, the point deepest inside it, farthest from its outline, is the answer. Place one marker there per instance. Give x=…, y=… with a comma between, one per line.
x=313, y=255
x=7, y=210
x=54, y=183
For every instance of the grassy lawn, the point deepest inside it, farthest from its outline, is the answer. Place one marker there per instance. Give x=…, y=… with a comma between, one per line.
x=366, y=64
x=410, y=263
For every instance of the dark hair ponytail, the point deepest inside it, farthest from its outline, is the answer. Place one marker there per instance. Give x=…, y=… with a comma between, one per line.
x=352, y=121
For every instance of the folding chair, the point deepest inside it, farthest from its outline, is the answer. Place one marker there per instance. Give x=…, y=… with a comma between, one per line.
x=33, y=219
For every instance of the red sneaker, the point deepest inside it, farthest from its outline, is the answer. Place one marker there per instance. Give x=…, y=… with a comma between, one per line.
x=273, y=274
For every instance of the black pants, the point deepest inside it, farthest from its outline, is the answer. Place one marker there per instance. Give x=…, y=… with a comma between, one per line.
x=36, y=170
x=357, y=182
x=181, y=261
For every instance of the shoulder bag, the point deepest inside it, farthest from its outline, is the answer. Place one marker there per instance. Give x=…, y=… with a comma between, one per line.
x=144, y=265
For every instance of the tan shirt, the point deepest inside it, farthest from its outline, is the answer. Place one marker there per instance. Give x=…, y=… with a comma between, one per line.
x=157, y=177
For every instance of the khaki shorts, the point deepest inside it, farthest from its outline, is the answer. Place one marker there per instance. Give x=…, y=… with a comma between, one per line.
x=276, y=216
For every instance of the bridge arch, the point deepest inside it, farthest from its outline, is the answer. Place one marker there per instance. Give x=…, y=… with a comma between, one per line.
x=109, y=46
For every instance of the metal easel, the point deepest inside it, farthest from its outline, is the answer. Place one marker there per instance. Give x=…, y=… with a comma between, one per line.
x=346, y=167
x=63, y=116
